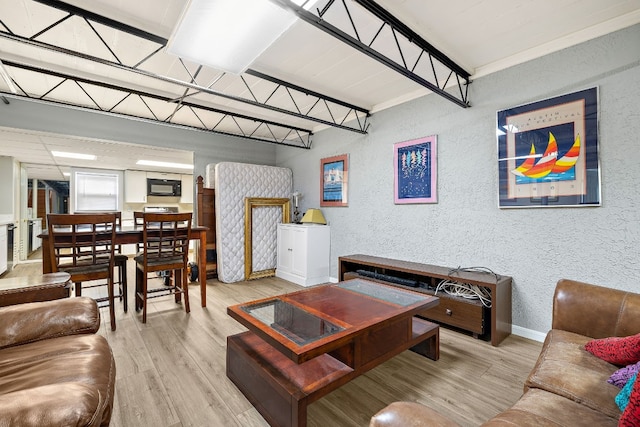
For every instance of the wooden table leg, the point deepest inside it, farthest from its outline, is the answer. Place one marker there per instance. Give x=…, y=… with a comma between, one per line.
x=46, y=260
x=430, y=347
x=202, y=268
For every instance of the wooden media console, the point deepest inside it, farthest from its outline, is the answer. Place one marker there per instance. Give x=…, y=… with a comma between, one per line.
x=490, y=323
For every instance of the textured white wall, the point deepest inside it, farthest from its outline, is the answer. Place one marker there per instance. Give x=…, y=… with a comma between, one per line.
x=466, y=228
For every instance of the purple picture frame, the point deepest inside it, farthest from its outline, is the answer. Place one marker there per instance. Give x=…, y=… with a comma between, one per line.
x=415, y=171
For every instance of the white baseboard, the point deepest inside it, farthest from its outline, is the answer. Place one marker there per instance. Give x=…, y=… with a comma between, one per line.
x=528, y=333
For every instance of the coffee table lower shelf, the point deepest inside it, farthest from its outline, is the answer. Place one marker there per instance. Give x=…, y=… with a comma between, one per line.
x=281, y=390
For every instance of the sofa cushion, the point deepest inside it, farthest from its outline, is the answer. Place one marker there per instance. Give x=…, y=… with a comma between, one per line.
x=540, y=408
x=80, y=359
x=631, y=415
x=566, y=369
x=616, y=350
x=620, y=377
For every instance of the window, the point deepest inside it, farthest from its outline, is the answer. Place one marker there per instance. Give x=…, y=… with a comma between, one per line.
x=97, y=191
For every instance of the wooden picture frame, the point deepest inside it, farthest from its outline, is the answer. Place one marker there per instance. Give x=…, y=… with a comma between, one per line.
x=250, y=203
x=334, y=181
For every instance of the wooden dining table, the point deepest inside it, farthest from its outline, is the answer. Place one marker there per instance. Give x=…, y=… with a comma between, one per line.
x=133, y=234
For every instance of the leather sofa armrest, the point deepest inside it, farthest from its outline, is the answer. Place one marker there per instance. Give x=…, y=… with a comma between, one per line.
x=68, y=404
x=409, y=414
x=595, y=311
x=24, y=323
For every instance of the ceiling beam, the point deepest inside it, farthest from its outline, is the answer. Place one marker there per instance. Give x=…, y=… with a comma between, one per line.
x=303, y=136
x=361, y=114
x=74, y=10
x=457, y=76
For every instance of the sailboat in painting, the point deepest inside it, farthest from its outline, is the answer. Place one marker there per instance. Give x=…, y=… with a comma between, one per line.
x=536, y=167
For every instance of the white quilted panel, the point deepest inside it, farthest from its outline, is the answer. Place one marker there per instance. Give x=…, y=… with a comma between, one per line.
x=264, y=237
x=210, y=176
x=233, y=183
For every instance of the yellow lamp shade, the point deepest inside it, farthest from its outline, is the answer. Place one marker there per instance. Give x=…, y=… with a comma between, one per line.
x=314, y=216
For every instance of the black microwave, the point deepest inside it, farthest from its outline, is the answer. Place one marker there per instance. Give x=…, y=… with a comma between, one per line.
x=164, y=187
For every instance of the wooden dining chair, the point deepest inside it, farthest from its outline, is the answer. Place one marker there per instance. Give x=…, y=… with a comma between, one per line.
x=82, y=245
x=120, y=262
x=165, y=247
x=138, y=221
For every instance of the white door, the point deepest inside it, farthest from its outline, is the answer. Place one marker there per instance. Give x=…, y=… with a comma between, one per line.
x=299, y=246
x=285, y=248
x=4, y=242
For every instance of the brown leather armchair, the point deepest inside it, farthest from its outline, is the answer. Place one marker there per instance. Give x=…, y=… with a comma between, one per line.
x=54, y=369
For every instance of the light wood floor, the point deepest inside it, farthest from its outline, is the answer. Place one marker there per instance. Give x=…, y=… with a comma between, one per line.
x=171, y=370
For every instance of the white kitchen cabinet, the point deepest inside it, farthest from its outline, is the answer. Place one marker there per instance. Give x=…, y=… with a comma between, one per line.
x=188, y=187
x=164, y=175
x=135, y=186
x=9, y=185
x=4, y=242
x=303, y=253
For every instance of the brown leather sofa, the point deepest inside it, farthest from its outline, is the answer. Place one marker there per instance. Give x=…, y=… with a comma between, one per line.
x=567, y=386
x=54, y=369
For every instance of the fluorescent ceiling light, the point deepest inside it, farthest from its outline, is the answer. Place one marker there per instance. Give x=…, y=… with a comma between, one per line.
x=230, y=34
x=7, y=78
x=74, y=155
x=164, y=164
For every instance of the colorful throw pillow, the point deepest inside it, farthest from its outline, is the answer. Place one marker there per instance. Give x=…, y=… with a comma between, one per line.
x=616, y=350
x=631, y=415
x=622, y=398
x=620, y=377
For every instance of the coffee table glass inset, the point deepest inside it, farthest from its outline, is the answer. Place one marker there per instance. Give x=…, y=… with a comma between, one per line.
x=385, y=293
x=292, y=322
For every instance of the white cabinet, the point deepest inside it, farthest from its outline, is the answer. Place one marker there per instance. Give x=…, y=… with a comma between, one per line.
x=187, y=189
x=36, y=242
x=303, y=253
x=9, y=185
x=4, y=242
x=135, y=186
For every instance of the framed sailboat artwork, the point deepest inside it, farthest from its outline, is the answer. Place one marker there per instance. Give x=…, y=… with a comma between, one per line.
x=548, y=152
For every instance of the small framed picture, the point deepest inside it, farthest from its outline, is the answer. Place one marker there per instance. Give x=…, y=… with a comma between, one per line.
x=334, y=180
x=415, y=171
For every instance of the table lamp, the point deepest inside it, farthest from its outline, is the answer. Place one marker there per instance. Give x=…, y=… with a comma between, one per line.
x=296, y=199
x=313, y=216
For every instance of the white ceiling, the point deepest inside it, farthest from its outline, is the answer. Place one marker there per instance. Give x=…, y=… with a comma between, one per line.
x=34, y=149
x=482, y=36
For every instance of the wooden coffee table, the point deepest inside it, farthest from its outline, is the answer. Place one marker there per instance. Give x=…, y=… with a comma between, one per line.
x=44, y=287
x=303, y=345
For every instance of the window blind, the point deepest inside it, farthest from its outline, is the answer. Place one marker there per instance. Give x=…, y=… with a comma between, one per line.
x=96, y=192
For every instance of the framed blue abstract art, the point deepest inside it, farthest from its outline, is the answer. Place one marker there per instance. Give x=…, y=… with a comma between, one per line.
x=414, y=166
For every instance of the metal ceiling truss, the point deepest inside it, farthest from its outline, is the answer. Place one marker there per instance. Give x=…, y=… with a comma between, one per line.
x=323, y=109
x=206, y=118
x=331, y=104
x=412, y=56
